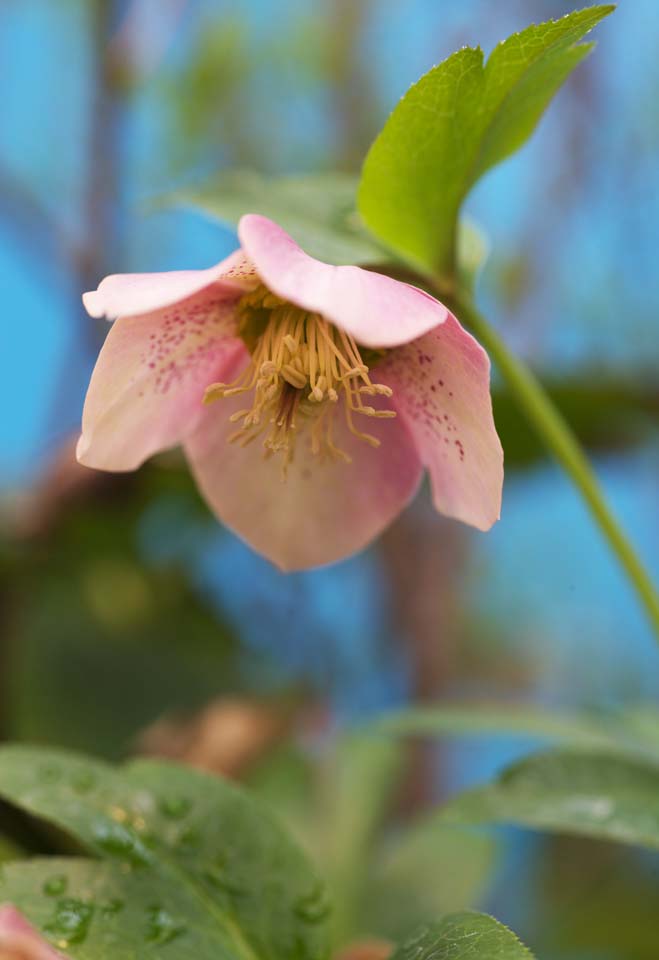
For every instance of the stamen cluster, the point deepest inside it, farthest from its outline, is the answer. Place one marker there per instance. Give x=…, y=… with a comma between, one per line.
x=302, y=369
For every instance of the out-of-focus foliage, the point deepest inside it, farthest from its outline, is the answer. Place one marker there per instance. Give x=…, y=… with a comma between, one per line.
x=630, y=732
x=219, y=868
x=388, y=869
x=606, y=412
x=318, y=211
x=606, y=795
x=217, y=95
x=100, y=628
x=598, y=900
x=424, y=870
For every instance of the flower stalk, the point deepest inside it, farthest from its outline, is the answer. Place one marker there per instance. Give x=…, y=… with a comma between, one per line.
x=561, y=441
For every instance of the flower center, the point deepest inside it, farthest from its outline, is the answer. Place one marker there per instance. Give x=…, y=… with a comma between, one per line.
x=301, y=371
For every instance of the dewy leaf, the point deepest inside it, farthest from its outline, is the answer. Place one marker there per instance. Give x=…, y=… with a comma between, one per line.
x=463, y=936
x=599, y=795
x=452, y=126
x=317, y=210
x=191, y=833
x=97, y=911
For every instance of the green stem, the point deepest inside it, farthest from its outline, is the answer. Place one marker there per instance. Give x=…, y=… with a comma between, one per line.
x=560, y=439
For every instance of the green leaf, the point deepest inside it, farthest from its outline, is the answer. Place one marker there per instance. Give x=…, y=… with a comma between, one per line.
x=463, y=936
x=599, y=795
x=317, y=210
x=187, y=832
x=633, y=733
x=606, y=413
x=360, y=775
x=95, y=910
x=425, y=870
x=460, y=119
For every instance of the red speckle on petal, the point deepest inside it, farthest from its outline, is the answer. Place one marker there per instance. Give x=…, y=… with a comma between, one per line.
x=191, y=336
x=419, y=377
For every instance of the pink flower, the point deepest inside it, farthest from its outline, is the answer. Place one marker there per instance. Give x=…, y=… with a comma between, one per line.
x=308, y=398
x=20, y=941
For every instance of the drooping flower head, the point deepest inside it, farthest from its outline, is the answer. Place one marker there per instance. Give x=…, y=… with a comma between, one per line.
x=308, y=398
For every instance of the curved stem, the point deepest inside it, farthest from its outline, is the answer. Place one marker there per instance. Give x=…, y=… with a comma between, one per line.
x=560, y=439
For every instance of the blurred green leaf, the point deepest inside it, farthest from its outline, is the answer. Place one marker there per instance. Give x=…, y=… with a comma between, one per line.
x=595, y=899
x=317, y=210
x=604, y=795
x=388, y=873
x=206, y=92
x=119, y=636
x=607, y=413
x=211, y=849
x=634, y=733
x=355, y=795
x=463, y=936
x=458, y=121
x=425, y=870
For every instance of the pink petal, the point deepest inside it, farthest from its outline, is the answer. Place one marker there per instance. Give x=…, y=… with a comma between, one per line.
x=131, y=294
x=20, y=941
x=148, y=384
x=321, y=513
x=441, y=385
x=376, y=310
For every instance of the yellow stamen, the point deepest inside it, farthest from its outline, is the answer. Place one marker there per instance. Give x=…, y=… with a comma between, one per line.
x=301, y=367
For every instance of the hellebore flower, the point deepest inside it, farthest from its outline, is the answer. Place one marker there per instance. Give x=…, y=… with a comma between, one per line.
x=272, y=366
x=20, y=941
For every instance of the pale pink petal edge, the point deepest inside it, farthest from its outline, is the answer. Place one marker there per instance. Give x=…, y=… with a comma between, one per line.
x=146, y=391
x=441, y=389
x=376, y=310
x=133, y=294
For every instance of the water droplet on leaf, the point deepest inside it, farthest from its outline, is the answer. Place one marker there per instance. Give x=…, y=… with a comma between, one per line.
x=71, y=920
x=188, y=841
x=120, y=841
x=84, y=781
x=175, y=808
x=314, y=906
x=112, y=908
x=162, y=926
x=216, y=874
x=56, y=885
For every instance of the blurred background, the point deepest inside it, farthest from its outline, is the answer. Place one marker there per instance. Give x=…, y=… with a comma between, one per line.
x=130, y=622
